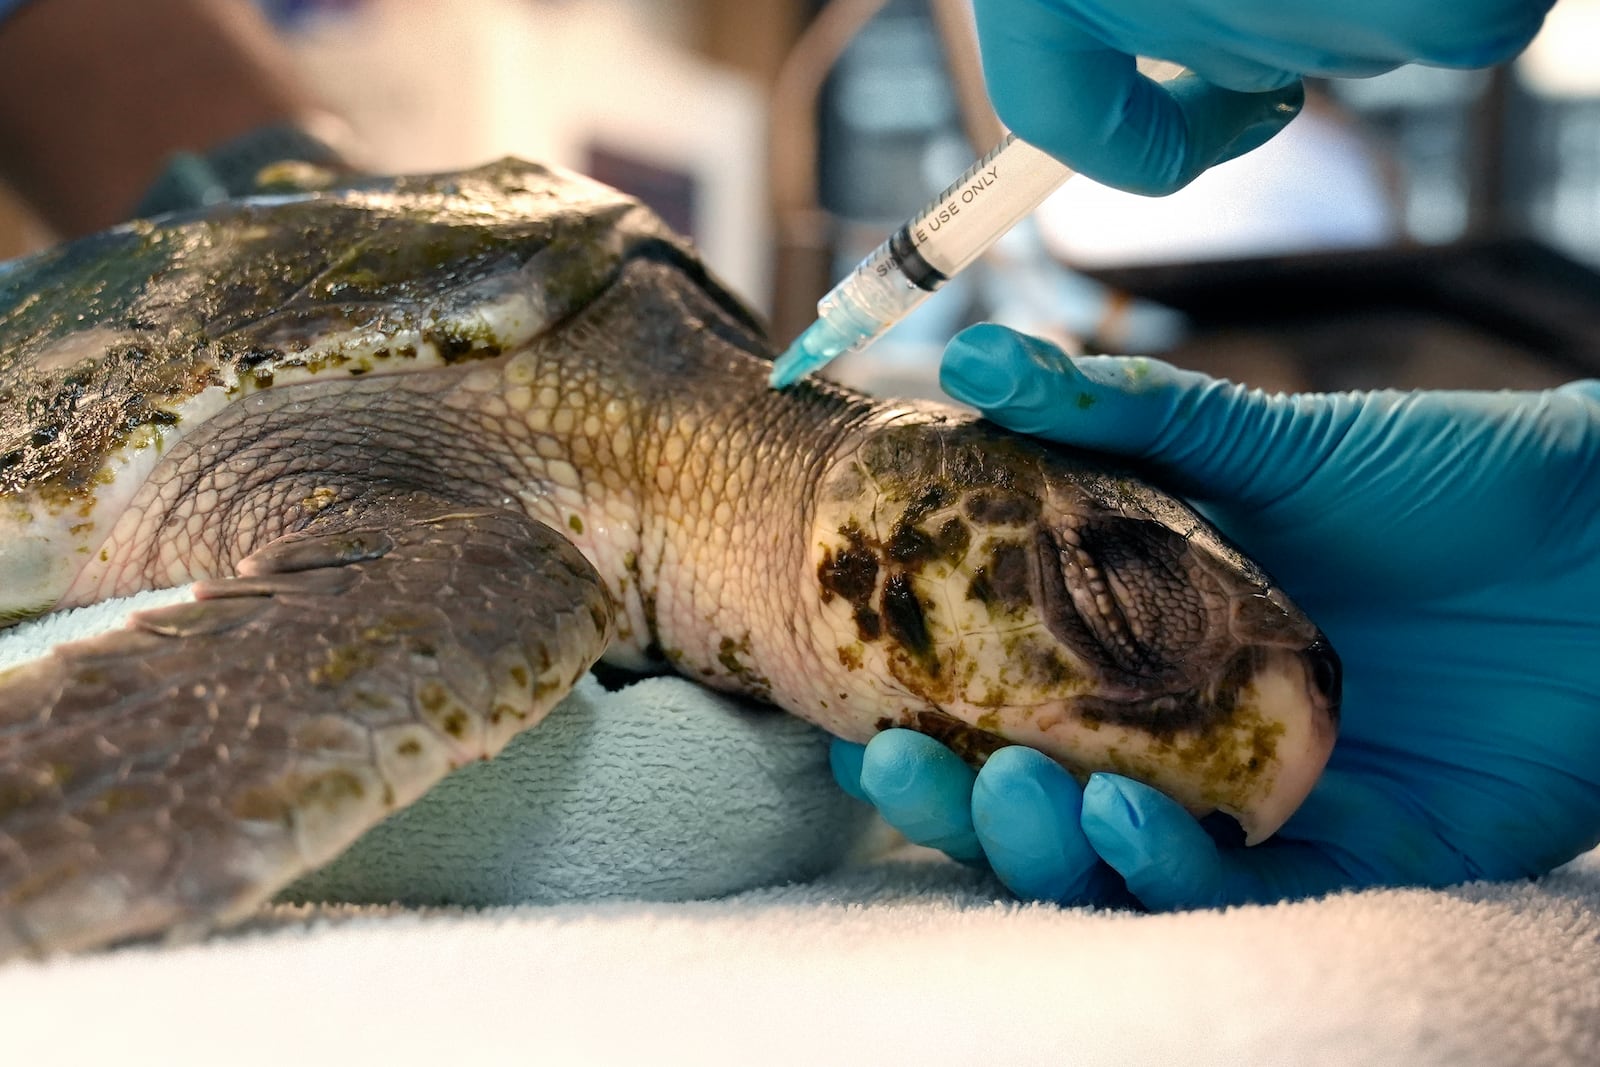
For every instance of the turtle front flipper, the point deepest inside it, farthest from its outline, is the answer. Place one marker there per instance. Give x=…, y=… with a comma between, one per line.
x=173, y=775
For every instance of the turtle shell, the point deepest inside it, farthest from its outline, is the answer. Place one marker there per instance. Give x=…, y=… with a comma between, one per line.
x=113, y=346
x=106, y=340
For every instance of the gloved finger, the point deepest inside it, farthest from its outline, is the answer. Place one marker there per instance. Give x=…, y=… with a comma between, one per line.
x=1344, y=807
x=1587, y=388
x=1248, y=63
x=1025, y=809
x=1206, y=437
x=1500, y=31
x=1065, y=91
x=1353, y=38
x=924, y=790
x=1356, y=38
x=1245, y=73
x=1170, y=863
x=1238, y=74
x=1222, y=124
x=844, y=759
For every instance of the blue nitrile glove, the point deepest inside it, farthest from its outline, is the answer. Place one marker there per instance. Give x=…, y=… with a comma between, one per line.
x=1061, y=72
x=1449, y=545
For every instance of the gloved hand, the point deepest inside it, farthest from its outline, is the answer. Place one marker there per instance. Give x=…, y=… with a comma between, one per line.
x=1061, y=72
x=1448, y=543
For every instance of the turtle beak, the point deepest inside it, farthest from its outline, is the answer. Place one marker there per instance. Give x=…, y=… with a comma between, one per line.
x=1306, y=688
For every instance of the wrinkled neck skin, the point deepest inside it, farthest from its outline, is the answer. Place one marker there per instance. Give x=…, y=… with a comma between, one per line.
x=691, y=485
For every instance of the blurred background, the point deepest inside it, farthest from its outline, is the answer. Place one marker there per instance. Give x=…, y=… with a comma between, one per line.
x=1423, y=228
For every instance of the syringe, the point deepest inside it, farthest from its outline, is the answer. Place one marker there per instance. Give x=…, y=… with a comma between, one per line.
x=998, y=192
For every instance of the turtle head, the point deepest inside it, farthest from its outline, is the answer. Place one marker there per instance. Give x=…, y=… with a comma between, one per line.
x=1006, y=592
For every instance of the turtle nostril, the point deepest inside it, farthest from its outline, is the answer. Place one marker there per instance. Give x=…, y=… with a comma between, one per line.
x=1327, y=673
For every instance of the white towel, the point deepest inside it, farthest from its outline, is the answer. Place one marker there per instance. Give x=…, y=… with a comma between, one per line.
x=904, y=959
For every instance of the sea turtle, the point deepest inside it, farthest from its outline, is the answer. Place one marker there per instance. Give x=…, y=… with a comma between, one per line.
x=430, y=446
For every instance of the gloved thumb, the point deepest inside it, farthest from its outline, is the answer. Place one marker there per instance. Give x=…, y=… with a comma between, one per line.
x=1205, y=437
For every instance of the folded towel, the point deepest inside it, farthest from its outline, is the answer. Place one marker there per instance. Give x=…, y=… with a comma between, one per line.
x=661, y=790
x=905, y=959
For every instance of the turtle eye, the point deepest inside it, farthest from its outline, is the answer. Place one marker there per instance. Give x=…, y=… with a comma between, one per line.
x=1327, y=673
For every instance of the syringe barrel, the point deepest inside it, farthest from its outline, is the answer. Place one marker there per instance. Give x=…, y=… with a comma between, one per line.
x=954, y=229
x=962, y=222
x=872, y=297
